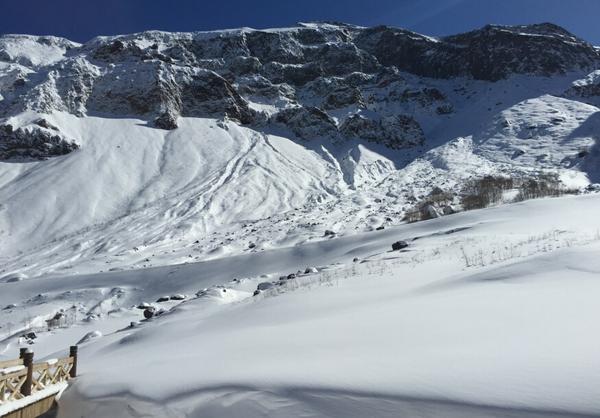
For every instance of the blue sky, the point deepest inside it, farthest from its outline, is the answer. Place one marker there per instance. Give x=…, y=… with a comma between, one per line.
x=80, y=20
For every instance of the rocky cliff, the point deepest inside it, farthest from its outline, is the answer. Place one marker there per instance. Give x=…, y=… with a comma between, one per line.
x=317, y=80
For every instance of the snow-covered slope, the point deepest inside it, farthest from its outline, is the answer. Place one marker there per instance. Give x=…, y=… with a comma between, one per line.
x=245, y=187
x=487, y=313
x=160, y=148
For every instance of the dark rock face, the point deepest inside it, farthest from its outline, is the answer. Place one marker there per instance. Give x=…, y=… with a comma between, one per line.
x=395, y=131
x=495, y=52
x=207, y=93
x=344, y=97
x=490, y=53
x=307, y=122
x=166, y=121
x=32, y=142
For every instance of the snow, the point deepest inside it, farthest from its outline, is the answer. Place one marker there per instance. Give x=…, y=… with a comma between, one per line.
x=53, y=390
x=135, y=197
x=34, y=51
x=486, y=313
x=9, y=370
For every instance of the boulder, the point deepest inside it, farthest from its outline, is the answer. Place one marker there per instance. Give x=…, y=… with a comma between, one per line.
x=399, y=245
x=264, y=286
x=149, y=313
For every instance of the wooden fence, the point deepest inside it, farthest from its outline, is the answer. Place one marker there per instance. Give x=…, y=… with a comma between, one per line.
x=22, y=377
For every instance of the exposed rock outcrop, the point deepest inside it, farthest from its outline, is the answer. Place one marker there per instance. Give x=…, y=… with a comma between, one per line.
x=307, y=122
x=298, y=78
x=399, y=131
x=32, y=142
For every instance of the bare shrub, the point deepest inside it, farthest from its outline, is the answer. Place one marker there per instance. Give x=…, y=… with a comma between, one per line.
x=481, y=193
x=546, y=185
x=421, y=211
x=412, y=215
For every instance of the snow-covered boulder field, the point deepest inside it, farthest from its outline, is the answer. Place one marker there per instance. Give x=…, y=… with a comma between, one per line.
x=488, y=313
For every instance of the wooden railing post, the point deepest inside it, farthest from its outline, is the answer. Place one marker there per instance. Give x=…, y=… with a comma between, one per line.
x=73, y=353
x=28, y=363
x=22, y=352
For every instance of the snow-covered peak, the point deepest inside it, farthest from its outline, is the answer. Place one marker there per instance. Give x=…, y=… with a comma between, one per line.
x=34, y=51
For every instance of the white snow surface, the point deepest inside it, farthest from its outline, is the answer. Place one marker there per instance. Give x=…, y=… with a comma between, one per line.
x=34, y=51
x=135, y=197
x=489, y=313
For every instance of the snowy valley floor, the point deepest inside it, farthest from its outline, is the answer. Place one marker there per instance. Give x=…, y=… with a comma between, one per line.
x=490, y=313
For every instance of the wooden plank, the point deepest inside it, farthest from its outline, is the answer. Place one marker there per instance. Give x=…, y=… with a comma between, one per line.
x=11, y=363
x=11, y=388
x=33, y=410
x=13, y=375
x=12, y=384
x=40, y=366
x=66, y=360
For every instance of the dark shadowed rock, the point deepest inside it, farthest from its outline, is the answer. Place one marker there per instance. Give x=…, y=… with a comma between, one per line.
x=149, y=313
x=399, y=245
x=491, y=53
x=207, y=93
x=166, y=121
x=350, y=96
x=394, y=131
x=264, y=286
x=306, y=122
x=32, y=142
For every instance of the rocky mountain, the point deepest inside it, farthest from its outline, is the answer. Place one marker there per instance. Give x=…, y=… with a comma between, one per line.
x=298, y=77
x=157, y=148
